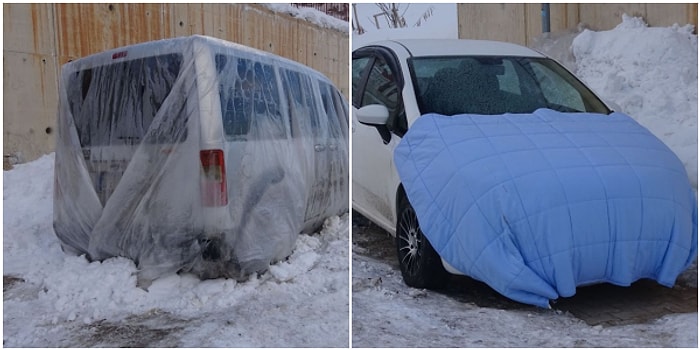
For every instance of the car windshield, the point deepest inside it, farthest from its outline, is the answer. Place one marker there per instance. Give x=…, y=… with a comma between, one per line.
x=498, y=85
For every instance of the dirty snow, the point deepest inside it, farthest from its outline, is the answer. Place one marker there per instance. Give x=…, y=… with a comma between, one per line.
x=386, y=313
x=651, y=73
x=52, y=299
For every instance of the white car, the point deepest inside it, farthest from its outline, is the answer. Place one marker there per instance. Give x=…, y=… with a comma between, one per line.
x=395, y=82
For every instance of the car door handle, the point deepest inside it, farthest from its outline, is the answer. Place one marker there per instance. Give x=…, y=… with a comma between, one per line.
x=319, y=148
x=332, y=146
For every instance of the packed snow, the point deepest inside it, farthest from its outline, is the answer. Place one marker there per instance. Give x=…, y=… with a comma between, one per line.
x=311, y=15
x=651, y=74
x=52, y=299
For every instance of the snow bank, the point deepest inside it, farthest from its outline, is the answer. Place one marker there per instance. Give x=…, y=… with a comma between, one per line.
x=300, y=302
x=311, y=15
x=652, y=74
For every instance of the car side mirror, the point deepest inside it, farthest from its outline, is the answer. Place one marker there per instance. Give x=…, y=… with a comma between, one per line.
x=374, y=115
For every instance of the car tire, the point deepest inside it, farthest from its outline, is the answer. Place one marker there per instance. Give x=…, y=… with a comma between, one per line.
x=421, y=266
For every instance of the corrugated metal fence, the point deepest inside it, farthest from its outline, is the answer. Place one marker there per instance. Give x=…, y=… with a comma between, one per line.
x=39, y=38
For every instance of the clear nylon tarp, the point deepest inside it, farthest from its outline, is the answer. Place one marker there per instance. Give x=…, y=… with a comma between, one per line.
x=143, y=131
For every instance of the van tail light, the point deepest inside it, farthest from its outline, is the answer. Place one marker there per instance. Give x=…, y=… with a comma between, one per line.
x=213, y=183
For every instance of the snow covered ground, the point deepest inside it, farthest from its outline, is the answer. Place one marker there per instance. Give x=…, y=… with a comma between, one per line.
x=651, y=73
x=51, y=299
x=386, y=313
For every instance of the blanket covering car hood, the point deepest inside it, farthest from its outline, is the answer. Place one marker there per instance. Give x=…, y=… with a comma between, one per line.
x=537, y=204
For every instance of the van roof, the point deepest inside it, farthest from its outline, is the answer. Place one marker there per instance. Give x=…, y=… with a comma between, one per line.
x=457, y=47
x=173, y=45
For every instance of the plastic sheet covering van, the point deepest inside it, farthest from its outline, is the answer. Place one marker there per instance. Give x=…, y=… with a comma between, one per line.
x=196, y=155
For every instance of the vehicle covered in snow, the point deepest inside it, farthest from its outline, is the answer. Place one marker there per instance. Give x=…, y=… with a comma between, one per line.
x=519, y=175
x=194, y=154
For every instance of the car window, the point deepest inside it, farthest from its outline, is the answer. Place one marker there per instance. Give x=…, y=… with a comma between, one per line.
x=303, y=111
x=497, y=85
x=115, y=104
x=250, y=100
x=381, y=87
x=336, y=115
x=358, y=68
x=508, y=81
x=556, y=90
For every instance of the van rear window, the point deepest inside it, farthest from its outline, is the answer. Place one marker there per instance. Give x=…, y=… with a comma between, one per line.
x=250, y=100
x=115, y=104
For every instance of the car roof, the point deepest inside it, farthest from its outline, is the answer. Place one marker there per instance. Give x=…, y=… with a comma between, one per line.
x=176, y=45
x=457, y=47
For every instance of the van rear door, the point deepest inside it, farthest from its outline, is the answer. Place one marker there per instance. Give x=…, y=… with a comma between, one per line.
x=113, y=106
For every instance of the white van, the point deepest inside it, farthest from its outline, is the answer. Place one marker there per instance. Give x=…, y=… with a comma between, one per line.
x=196, y=155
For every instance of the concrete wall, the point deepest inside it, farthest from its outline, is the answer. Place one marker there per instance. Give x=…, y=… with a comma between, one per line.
x=39, y=38
x=521, y=23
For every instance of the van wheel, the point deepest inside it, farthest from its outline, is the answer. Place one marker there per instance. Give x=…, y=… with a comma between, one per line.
x=421, y=266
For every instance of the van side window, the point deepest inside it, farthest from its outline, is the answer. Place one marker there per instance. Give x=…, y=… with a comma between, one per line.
x=115, y=104
x=250, y=100
x=303, y=112
x=335, y=112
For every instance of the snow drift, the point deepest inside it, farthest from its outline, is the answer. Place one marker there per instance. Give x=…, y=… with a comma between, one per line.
x=652, y=74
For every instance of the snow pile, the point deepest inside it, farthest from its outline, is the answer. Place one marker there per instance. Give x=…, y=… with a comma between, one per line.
x=652, y=74
x=311, y=15
x=64, y=298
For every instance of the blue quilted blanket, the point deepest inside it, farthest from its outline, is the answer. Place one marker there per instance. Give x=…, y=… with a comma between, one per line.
x=537, y=204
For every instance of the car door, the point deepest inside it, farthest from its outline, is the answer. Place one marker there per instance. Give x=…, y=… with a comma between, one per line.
x=376, y=80
x=309, y=126
x=335, y=113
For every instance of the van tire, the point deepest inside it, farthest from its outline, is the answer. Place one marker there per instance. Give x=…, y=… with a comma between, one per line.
x=421, y=266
